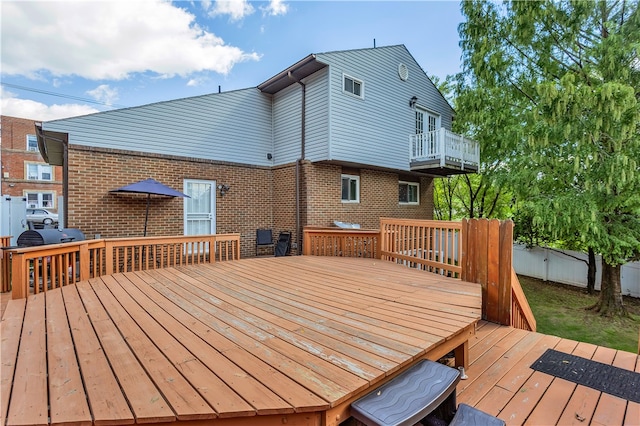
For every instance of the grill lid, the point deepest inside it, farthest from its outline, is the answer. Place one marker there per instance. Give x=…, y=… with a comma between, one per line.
x=39, y=237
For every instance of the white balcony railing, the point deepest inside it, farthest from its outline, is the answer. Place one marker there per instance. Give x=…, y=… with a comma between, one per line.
x=446, y=147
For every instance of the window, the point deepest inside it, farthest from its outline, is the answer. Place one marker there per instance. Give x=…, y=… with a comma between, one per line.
x=39, y=172
x=350, y=189
x=39, y=200
x=32, y=143
x=408, y=193
x=353, y=86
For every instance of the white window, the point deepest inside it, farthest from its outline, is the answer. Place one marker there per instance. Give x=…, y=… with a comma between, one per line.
x=40, y=200
x=32, y=143
x=39, y=172
x=350, y=189
x=353, y=86
x=408, y=192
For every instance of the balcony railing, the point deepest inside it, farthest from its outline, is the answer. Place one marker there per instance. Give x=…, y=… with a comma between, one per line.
x=444, y=149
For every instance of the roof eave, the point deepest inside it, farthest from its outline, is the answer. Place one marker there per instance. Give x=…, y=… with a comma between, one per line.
x=289, y=76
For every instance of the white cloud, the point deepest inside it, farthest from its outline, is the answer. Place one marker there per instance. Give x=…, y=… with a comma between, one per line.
x=24, y=108
x=275, y=8
x=104, y=94
x=111, y=40
x=236, y=9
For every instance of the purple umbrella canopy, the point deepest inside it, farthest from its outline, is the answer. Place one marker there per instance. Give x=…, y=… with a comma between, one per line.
x=150, y=187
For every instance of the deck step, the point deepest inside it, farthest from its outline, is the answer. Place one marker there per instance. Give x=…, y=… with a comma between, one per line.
x=408, y=397
x=470, y=416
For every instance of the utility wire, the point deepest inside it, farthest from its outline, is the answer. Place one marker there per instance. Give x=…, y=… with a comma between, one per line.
x=60, y=95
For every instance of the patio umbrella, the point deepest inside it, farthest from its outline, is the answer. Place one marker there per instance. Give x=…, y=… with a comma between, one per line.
x=150, y=187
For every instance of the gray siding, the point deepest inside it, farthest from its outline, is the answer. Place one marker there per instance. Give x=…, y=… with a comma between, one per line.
x=375, y=130
x=230, y=126
x=317, y=116
x=286, y=124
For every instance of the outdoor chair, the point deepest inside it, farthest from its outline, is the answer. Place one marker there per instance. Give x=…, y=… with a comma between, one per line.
x=264, y=238
x=283, y=246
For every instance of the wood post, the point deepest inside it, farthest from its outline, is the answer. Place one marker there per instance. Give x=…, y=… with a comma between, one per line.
x=20, y=282
x=487, y=252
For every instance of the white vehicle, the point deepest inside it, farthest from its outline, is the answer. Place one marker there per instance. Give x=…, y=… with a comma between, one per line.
x=43, y=216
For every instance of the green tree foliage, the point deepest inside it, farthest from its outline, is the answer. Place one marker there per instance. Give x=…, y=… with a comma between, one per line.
x=552, y=92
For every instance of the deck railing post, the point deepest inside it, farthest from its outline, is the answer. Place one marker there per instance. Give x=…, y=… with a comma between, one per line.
x=19, y=276
x=84, y=260
x=108, y=255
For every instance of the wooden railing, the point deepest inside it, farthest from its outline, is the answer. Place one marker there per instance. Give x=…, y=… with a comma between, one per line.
x=475, y=250
x=430, y=245
x=341, y=242
x=4, y=264
x=57, y=265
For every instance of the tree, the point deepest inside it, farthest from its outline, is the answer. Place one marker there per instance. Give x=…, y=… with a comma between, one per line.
x=568, y=74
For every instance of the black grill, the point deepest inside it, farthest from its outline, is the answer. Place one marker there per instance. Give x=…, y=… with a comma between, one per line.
x=41, y=237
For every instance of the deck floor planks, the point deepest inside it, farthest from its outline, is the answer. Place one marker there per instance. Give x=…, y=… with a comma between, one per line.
x=245, y=304
x=188, y=330
x=303, y=355
x=307, y=315
x=10, y=330
x=525, y=396
x=67, y=399
x=226, y=339
x=184, y=400
x=367, y=308
x=215, y=389
x=219, y=335
x=335, y=304
x=107, y=403
x=632, y=416
x=336, y=307
x=472, y=391
x=29, y=406
x=146, y=402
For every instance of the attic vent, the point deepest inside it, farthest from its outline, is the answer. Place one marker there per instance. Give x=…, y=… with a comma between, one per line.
x=403, y=72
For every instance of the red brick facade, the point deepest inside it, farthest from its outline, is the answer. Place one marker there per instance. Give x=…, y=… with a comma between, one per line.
x=16, y=156
x=258, y=197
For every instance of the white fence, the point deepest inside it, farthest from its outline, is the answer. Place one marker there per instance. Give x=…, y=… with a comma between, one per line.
x=559, y=266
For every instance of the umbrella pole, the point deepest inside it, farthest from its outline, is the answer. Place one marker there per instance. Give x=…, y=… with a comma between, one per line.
x=146, y=216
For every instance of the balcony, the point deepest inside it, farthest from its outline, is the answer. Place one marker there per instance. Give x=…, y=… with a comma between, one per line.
x=442, y=152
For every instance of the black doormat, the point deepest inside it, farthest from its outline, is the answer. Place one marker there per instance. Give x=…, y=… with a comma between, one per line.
x=596, y=375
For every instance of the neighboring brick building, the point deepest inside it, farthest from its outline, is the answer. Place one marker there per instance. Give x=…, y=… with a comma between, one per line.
x=347, y=136
x=24, y=171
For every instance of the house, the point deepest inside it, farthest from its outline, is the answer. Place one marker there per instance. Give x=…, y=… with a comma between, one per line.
x=25, y=174
x=341, y=136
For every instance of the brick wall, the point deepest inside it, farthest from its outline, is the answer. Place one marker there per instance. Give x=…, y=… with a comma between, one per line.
x=378, y=197
x=15, y=156
x=94, y=210
x=258, y=197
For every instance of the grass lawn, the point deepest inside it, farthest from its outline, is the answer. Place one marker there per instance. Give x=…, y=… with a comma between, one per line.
x=560, y=311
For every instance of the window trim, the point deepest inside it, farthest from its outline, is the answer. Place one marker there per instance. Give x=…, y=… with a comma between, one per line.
x=409, y=203
x=27, y=141
x=355, y=80
x=39, y=167
x=356, y=178
x=40, y=198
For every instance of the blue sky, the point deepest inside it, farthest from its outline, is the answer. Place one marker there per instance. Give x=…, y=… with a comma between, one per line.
x=113, y=54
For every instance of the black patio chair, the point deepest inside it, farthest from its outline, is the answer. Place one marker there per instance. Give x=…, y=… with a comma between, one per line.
x=264, y=238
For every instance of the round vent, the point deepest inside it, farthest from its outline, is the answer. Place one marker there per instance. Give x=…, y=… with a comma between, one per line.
x=403, y=72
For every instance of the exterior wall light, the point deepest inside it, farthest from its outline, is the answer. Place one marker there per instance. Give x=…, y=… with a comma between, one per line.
x=412, y=101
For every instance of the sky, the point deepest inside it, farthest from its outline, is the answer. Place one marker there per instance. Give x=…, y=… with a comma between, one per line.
x=67, y=58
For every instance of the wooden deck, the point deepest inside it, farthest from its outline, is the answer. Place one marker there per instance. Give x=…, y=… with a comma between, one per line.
x=291, y=340
x=502, y=384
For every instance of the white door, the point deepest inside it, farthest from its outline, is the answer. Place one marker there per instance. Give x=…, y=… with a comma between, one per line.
x=200, y=209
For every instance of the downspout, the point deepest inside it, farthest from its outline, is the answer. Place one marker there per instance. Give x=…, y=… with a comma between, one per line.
x=300, y=160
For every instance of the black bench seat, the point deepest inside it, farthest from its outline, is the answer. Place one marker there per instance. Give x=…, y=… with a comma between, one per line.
x=408, y=397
